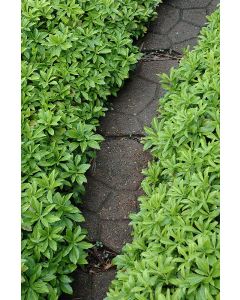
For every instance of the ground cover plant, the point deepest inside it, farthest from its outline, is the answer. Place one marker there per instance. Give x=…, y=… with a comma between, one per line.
x=74, y=55
x=175, y=250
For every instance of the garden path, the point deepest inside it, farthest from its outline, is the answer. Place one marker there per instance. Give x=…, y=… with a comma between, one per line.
x=114, y=180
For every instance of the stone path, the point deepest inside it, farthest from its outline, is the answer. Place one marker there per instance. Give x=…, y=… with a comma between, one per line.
x=114, y=180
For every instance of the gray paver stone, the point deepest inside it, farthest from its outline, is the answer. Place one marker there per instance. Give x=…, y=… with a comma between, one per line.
x=82, y=286
x=150, y=69
x=119, y=163
x=101, y=282
x=148, y=114
x=156, y=41
x=191, y=43
x=167, y=17
x=183, y=31
x=91, y=223
x=195, y=16
x=96, y=194
x=212, y=7
x=118, y=206
x=134, y=96
x=189, y=3
x=115, y=234
x=118, y=124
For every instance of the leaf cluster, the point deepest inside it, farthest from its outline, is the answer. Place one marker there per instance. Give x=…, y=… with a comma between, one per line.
x=175, y=250
x=74, y=55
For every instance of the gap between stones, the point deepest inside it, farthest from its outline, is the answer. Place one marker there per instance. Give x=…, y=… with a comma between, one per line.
x=160, y=54
x=136, y=137
x=100, y=258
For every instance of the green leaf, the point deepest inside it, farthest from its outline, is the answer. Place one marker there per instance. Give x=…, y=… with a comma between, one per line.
x=31, y=295
x=40, y=287
x=66, y=288
x=94, y=145
x=74, y=255
x=52, y=218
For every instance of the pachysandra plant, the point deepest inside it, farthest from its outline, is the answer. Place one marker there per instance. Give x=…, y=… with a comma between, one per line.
x=175, y=250
x=74, y=55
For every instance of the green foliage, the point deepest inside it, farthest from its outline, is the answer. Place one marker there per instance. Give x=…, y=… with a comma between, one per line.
x=175, y=250
x=74, y=55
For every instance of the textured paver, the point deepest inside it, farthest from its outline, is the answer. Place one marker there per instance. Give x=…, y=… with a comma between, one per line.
x=113, y=184
x=167, y=18
x=96, y=194
x=120, y=124
x=195, y=16
x=82, y=286
x=151, y=69
x=156, y=41
x=178, y=24
x=92, y=225
x=147, y=115
x=179, y=46
x=189, y=3
x=115, y=234
x=115, y=177
x=119, y=164
x=135, y=96
x=212, y=6
x=101, y=282
x=91, y=286
x=183, y=31
x=118, y=206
